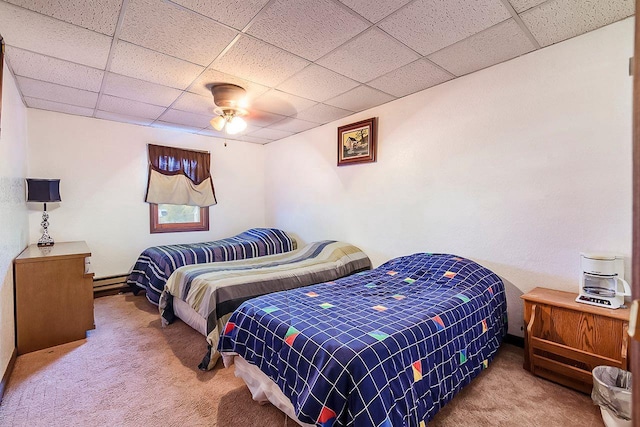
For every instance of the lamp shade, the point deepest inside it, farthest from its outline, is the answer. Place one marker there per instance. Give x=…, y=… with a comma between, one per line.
x=218, y=122
x=236, y=125
x=43, y=190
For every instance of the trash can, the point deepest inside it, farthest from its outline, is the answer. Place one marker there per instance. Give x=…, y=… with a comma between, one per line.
x=612, y=392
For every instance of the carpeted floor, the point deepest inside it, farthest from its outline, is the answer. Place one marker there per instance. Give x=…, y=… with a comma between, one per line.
x=132, y=372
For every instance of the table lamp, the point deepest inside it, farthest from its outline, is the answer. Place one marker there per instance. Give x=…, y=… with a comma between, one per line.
x=44, y=191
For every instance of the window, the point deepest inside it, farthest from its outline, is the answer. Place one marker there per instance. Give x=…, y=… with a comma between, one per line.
x=179, y=190
x=176, y=218
x=171, y=214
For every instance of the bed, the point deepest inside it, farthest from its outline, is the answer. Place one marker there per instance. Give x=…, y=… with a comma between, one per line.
x=386, y=347
x=154, y=266
x=205, y=295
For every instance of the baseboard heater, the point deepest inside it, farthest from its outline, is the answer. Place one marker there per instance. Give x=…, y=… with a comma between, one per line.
x=110, y=285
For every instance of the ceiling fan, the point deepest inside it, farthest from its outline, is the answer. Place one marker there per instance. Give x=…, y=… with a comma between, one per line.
x=230, y=103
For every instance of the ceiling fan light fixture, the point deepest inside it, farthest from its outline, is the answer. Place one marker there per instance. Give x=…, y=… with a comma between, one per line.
x=235, y=125
x=218, y=123
x=230, y=102
x=227, y=95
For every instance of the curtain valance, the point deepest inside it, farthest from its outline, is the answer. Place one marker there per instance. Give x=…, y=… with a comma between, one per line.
x=179, y=177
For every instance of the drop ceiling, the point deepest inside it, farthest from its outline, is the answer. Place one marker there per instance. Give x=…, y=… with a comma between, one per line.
x=303, y=62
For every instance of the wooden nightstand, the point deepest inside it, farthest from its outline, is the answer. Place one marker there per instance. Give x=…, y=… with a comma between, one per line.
x=565, y=340
x=53, y=295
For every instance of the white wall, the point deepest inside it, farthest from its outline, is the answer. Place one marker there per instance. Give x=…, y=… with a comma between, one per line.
x=14, y=230
x=103, y=170
x=520, y=167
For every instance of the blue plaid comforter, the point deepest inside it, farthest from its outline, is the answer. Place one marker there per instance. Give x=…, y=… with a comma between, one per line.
x=386, y=347
x=155, y=264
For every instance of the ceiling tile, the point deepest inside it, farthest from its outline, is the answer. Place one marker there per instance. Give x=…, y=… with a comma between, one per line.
x=58, y=50
x=375, y=10
x=250, y=128
x=497, y=44
x=442, y=22
x=558, y=20
x=175, y=126
x=100, y=16
x=130, y=108
x=317, y=83
x=414, y=77
x=43, y=104
x=255, y=140
x=202, y=86
x=282, y=103
x=368, y=56
x=195, y=104
x=522, y=5
x=268, y=133
x=235, y=14
x=40, y=67
x=321, y=113
x=212, y=132
x=53, y=92
x=106, y=115
x=139, y=90
x=262, y=118
x=187, y=119
x=308, y=28
x=259, y=62
x=360, y=98
x=293, y=125
x=38, y=33
x=174, y=31
x=138, y=62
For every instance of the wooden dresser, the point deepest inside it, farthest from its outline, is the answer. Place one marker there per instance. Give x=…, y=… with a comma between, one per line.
x=565, y=340
x=53, y=295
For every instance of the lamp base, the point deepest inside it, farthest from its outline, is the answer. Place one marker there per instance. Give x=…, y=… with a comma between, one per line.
x=45, y=240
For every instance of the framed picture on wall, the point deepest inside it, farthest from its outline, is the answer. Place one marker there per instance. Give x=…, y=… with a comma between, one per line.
x=357, y=142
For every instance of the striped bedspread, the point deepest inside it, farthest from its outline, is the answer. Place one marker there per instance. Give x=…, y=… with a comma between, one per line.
x=155, y=264
x=215, y=290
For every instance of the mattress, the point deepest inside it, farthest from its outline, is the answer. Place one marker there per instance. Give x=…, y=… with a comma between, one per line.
x=215, y=290
x=188, y=315
x=154, y=265
x=386, y=347
x=262, y=389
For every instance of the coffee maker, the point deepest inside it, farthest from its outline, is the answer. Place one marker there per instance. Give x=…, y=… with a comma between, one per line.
x=602, y=282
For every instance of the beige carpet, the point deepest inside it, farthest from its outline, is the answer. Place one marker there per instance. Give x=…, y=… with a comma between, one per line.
x=132, y=372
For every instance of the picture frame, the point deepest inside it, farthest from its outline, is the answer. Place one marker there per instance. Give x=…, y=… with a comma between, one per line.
x=358, y=142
